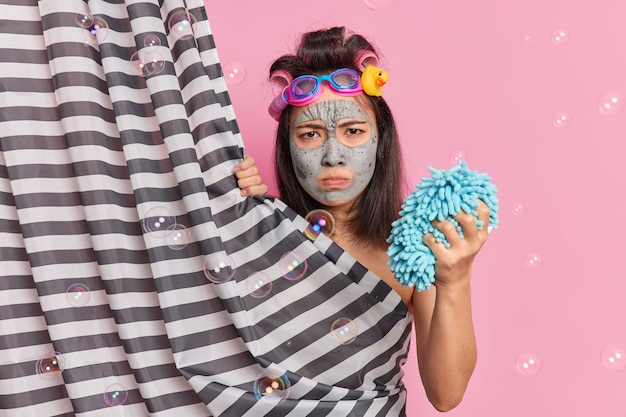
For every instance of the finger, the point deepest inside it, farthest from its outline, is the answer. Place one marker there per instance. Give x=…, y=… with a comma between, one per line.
x=483, y=214
x=449, y=231
x=249, y=181
x=248, y=173
x=254, y=190
x=245, y=164
x=431, y=241
x=468, y=224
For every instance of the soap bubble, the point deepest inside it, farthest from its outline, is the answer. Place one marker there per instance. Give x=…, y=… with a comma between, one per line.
x=518, y=208
x=219, y=267
x=115, y=394
x=77, y=295
x=560, y=36
x=147, y=62
x=158, y=222
x=611, y=103
x=151, y=41
x=533, y=260
x=561, y=120
x=377, y=4
x=259, y=285
x=234, y=73
x=83, y=20
x=320, y=221
x=292, y=265
x=50, y=366
x=528, y=364
x=614, y=358
x=344, y=330
x=271, y=388
x=457, y=156
x=94, y=27
x=178, y=237
x=181, y=24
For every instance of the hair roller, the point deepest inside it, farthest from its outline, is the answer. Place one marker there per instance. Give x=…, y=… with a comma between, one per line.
x=279, y=80
x=364, y=58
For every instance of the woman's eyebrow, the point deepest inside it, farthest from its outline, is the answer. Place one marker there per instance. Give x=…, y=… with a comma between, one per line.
x=351, y=122
x=313, y=124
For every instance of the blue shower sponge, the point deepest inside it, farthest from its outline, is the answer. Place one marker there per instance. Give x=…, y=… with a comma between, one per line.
x=440, y=197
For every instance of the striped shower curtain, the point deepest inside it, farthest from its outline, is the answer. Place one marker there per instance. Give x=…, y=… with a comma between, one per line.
x=134, y=278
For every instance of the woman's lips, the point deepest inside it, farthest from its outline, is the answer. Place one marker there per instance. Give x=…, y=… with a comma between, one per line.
x=334, y=183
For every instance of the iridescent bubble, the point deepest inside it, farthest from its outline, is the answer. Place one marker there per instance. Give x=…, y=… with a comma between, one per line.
x=234, y=73
x=528, y=364
x=147, y=62
x=561, y=120
x=320, y=221
x=614, y=358
x=178, y=237
x=181, y=24
x=292, y=265
x=457, y=156
x=219, y=267
x=533, y=260
x=115, y=394
x=344, y=330
x=84, y=20
x=151, y=41
x=560, y=36
x=50, y=366
x=518, y=208
x=271, y=388
x=611, y=103
x=78, y=295
x=259, y=285
x=158, y=222
x=377, y=4
x=95, y=28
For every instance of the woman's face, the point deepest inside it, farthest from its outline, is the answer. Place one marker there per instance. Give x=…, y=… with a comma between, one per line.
x=333, y=148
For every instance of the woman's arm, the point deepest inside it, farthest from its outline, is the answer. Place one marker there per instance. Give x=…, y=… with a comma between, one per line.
x=446, y=344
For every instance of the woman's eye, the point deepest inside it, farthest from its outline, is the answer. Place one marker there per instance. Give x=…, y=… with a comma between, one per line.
x=354, y=131
x=309, y=135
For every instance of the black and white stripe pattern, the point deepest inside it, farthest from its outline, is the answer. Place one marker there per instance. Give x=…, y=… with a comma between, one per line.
x=88, y=150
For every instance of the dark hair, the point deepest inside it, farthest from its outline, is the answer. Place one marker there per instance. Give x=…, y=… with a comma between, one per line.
x=321, y=52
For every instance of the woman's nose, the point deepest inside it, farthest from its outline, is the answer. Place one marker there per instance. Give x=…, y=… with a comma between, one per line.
x=333, y=152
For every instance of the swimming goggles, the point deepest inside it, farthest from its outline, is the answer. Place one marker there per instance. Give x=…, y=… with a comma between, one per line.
x=307, y=88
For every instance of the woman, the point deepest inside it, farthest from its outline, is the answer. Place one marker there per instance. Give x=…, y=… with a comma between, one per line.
x=337, y=149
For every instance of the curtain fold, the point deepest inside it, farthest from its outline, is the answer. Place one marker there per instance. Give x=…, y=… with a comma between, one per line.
x=134, y=278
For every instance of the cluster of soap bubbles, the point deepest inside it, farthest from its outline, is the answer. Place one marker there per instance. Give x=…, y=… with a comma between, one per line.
x=148, y=60
x=613, y=358
x=94, y=28
x=160, y=223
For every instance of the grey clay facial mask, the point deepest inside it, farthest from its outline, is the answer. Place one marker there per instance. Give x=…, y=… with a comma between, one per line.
x=311, y=164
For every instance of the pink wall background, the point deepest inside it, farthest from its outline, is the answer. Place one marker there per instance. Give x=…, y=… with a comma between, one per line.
x=531, y=92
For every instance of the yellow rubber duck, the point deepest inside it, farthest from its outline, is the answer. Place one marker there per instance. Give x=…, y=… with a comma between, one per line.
x=372, y=79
